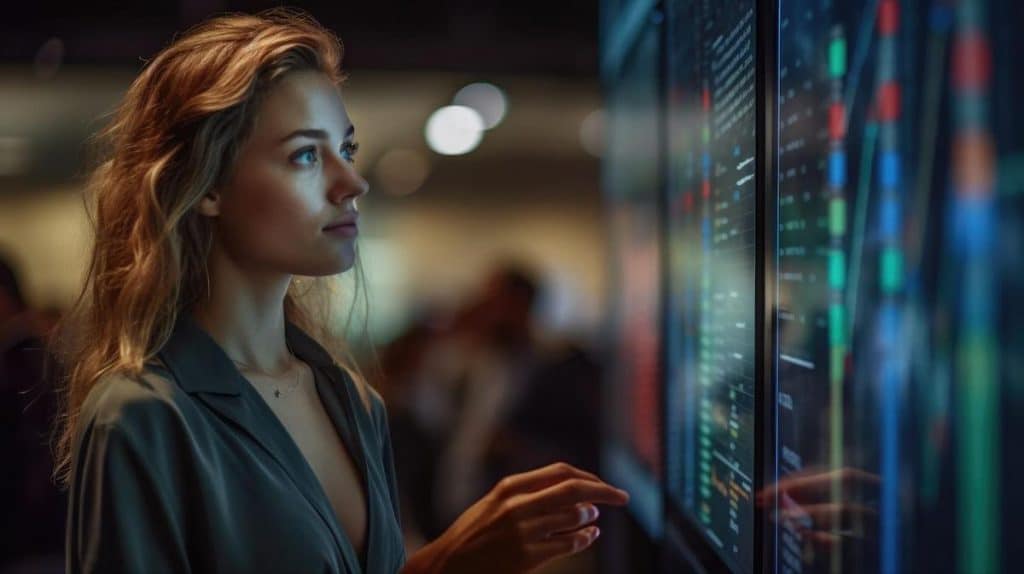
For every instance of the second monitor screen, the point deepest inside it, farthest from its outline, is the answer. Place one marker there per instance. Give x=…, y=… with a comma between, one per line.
x=712, y=257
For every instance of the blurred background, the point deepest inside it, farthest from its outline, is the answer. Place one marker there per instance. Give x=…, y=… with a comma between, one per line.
x=813, y=369
x=483, y=249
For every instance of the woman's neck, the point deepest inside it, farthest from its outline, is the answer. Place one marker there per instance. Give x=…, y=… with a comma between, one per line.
x=244, y=314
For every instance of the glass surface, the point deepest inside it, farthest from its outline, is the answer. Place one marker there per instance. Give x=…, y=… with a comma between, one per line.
x=900, y=187
x=633, y=456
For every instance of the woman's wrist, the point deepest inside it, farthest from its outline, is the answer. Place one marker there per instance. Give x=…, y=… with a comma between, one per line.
x=429, y=559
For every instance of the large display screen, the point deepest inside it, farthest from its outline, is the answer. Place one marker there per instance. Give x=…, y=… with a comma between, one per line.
x=871, y=311
x=899, y=272
x=712, y=244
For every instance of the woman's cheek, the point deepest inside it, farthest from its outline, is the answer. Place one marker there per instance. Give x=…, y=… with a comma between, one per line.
x=265, y=221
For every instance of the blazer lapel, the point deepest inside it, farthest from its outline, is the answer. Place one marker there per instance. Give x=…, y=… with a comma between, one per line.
x=343, y=411
x=346, y=410
x=202, y=369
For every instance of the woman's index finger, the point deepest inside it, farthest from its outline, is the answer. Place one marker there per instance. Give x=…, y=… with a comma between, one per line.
x=544, y=477
x=571, y=492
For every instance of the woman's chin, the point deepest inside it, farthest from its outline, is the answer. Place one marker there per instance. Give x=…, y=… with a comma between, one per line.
x=346, y=262
x=333, y=266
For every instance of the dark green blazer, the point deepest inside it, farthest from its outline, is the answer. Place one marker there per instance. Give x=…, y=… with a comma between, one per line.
x=186, y=469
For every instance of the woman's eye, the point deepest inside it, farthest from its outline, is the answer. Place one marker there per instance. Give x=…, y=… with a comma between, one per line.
x=348, y=151
x=305, y=157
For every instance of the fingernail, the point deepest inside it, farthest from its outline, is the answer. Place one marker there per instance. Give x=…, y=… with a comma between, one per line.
x=597, y=532
x=592, y=513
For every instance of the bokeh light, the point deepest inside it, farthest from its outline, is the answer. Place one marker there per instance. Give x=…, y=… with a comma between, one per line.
x=454, y=130
x=401, y=171
x=487, y=99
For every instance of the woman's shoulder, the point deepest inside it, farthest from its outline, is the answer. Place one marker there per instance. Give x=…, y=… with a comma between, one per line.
x=134, y=447
x=148, y=401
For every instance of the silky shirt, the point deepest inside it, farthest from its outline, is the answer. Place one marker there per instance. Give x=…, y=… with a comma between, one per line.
x=186, y=469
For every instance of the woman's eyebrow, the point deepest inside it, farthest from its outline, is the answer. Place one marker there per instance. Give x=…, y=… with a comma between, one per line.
x=316, y=133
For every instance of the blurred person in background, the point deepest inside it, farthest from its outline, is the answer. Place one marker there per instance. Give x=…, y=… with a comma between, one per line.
x=485, y=393
x=32, y=508
x=550, y=407
x=483, y=364
x=210, y=421
x=556, y=415
x=417, y=423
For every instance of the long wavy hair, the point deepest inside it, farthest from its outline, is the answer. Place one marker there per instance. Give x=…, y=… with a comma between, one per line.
x=173, y=138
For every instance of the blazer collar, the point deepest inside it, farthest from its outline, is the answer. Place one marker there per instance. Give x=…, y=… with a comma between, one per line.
x=200, y=365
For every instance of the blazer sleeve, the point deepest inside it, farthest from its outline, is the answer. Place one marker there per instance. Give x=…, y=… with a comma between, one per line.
x=125, y=508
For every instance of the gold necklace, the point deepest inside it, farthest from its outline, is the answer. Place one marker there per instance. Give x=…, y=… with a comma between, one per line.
x=277, y=390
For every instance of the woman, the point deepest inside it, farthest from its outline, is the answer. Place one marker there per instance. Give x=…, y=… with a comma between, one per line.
x=211, y=425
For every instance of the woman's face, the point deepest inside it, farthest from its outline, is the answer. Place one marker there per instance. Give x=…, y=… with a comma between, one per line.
x=292, y=178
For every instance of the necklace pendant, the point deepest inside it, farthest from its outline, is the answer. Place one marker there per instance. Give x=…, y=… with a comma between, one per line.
x=277, y=393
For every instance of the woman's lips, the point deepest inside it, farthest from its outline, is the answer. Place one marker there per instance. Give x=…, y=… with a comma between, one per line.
x=343, y=230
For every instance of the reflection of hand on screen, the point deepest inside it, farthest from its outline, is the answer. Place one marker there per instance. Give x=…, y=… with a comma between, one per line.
x=826, y=507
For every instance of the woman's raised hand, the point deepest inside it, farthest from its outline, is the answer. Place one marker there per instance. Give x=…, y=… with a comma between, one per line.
x=525, y=521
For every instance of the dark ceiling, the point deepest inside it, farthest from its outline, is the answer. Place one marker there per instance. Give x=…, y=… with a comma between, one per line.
x=556, y=37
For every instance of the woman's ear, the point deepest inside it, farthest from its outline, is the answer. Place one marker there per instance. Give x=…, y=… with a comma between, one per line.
x=209, y=204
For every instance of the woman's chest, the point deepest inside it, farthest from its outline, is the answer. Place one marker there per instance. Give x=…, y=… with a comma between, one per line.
x=277, y=490
x=336, y=469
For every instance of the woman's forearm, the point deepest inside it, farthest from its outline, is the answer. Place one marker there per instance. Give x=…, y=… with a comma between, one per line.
x=426, y=560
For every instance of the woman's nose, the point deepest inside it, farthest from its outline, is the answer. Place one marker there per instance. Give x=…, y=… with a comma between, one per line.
x=346, y=182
